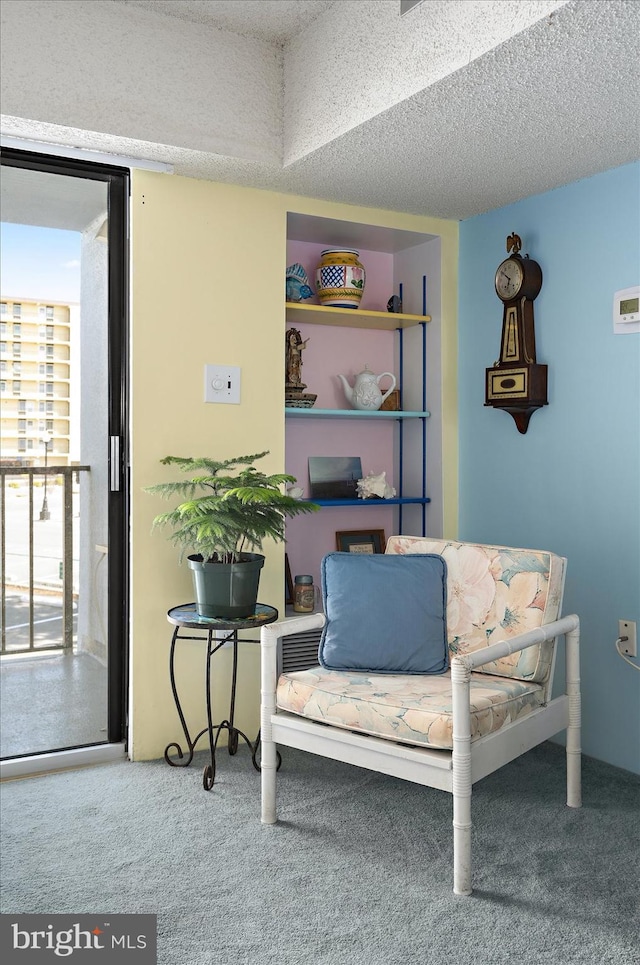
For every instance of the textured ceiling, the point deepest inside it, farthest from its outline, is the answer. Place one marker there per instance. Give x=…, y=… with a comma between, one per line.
x=454, y=109
x=276, y=21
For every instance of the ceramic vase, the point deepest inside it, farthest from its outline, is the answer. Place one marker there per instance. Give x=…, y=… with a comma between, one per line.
x=340, y=278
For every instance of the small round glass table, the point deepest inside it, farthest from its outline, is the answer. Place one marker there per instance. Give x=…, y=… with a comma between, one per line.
x=186, y=617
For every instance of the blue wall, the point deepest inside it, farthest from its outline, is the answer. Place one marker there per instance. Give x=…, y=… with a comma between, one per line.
x=572, y=483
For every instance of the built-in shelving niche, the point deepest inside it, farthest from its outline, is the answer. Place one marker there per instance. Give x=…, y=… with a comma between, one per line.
x=343, y=341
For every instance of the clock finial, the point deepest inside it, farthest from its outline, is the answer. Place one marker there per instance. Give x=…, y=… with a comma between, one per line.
x=514, y=243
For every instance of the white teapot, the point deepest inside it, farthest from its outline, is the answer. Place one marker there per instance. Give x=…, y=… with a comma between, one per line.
x=365, y=393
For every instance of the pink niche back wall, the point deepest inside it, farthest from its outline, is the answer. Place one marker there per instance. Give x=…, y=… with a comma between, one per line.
x=331, y=351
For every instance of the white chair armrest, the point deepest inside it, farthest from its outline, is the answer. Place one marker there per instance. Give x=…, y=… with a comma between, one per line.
x=297, y=624
x=270, y=639
x=471, y=661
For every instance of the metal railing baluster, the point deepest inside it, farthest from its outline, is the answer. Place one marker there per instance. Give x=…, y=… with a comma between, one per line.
x=67, y=472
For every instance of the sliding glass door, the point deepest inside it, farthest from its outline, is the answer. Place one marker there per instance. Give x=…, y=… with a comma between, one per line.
x=63, y=454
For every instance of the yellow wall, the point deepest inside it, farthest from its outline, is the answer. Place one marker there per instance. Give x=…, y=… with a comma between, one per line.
x=208, y=265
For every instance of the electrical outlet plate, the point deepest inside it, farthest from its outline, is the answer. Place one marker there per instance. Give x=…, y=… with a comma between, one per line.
x=627, y=628
x=222, y=384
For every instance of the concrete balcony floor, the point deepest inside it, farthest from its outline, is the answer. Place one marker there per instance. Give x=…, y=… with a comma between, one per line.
x=50, y=701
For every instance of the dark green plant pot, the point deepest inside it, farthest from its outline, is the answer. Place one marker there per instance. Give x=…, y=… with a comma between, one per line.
x=227, y=590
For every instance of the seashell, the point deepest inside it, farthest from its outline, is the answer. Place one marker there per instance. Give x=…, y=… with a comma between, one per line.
x=375, y=485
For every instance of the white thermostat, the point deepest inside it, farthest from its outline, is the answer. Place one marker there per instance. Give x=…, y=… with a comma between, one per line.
x=626, y=311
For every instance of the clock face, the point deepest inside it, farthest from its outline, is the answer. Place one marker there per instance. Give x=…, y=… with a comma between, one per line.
x=509, y=279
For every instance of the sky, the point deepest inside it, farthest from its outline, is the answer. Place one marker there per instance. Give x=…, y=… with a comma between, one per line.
x=39, y=263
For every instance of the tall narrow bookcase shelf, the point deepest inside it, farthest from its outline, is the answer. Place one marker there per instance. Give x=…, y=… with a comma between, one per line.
x=356, y=318
x=400, y=261
x=293, y=412
x=351, y=317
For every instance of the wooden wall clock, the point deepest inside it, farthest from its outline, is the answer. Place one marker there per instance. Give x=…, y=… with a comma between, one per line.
x=516, y=383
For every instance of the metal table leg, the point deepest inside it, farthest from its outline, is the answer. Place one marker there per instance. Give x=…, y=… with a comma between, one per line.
x=208, y=776
x=190, y=743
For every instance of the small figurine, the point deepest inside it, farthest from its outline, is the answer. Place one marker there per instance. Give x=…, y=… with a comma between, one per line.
x=297, y=284
x=295, y=347
x=514, y=243
x=294, y=387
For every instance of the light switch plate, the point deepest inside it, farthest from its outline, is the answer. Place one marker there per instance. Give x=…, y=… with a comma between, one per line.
x=222, y=384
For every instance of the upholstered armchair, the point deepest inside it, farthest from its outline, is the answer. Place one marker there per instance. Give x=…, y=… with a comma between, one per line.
x=444, y=718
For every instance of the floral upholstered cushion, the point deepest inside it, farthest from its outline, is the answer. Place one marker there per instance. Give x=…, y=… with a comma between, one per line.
x=406, y=708
x=494, y=593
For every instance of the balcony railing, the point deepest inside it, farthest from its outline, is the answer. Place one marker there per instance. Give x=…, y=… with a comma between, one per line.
x=26, y=578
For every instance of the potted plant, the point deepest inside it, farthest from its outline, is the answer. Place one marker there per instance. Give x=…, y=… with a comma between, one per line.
x=228, y=508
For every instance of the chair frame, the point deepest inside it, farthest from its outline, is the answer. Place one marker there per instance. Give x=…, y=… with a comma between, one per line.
x=453, y=770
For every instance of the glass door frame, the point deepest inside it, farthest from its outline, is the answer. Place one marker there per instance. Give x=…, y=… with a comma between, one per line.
x=118, y=183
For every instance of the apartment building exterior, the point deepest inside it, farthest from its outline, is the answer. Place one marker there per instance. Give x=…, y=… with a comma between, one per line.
x=35, y=382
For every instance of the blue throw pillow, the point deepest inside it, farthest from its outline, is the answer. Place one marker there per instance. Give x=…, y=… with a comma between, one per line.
x=385, y=613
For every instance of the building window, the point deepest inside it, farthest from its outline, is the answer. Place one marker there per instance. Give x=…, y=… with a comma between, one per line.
x=17, y=387
x=49, y=425
x=22, y=445
x=22, y=425
x=50, y=311
x=22, y=405
x=29, y=443
x=3, y=348
x=17, y=368
x=3, y=328
x=49, y=408
x=49, y=351
x=3, y=386
x=50, y=388
x=17, y=312
x=17, y=349
x=3, y=366
x=49, y=332
x=3, y=308
x=50, y=370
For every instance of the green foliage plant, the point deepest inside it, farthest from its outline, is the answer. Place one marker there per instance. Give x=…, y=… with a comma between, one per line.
x=228, y=508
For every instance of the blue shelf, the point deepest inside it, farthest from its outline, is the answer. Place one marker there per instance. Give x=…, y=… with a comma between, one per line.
x=397, y=501
x=295, y=413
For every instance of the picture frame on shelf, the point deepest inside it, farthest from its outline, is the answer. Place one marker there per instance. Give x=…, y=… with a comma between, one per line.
x=392, y=402
x=334, y=477
x=360, y=541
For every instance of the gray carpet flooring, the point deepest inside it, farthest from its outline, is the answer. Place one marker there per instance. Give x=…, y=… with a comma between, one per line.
x=357, y=872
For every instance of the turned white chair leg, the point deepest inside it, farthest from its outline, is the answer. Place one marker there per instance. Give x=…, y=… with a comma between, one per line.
x=574, y=782
x=268, y=757
x=461, y=776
